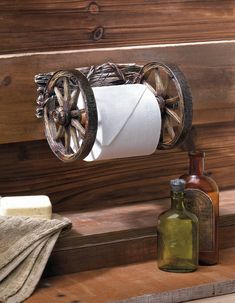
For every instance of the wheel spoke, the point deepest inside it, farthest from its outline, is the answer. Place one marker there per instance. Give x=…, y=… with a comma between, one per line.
x=150, y=87
x=59, y=96
x=172, y=100
x=147, y=74
x=169, y=128
x=59, y=133
x=158, y=81
x=74, y=137
x=75, y=123
x=74, y=98
x=173, y=115
x=74, y=113
x=166, y=84
x=66, y=90
x=67, y=140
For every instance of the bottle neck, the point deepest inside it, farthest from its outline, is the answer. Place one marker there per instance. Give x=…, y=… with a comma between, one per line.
x=177, y=200
x=196, y=165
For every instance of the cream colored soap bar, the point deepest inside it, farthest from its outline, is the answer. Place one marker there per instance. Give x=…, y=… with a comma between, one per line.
x=30, y=206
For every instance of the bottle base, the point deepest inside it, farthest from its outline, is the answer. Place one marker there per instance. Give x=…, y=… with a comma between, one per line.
x=208, y=258
x=208, y=263
x=177, y=269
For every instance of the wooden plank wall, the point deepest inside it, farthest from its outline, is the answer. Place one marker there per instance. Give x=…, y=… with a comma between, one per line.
x=44, y=36
x=58, y=25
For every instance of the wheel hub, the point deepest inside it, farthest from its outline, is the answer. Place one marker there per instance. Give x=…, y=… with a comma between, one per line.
x=61, y=116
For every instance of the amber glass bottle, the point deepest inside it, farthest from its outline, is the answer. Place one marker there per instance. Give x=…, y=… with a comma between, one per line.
x=177, y=241
x=202, y=198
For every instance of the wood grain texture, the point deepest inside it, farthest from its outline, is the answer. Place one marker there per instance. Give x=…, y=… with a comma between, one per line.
x=28, y=167
x=122, y=235
x=220, y=299
x=39, y=26
x=209, y=69
x=31, y=168
x=142, y=283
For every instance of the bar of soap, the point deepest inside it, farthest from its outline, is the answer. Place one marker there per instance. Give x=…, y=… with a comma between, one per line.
x=30, y=206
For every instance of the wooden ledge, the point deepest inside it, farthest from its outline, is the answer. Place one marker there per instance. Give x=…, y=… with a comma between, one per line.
x=140, y=283
x=122, y=235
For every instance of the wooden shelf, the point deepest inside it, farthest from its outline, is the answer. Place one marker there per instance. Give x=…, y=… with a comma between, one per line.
x=122, y=235
x=142, y=283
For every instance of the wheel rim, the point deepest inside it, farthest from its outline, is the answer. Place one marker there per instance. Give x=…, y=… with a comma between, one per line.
x=70, y=127
x=170, y=88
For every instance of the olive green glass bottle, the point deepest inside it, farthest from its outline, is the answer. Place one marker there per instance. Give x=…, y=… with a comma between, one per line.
x=177, y=240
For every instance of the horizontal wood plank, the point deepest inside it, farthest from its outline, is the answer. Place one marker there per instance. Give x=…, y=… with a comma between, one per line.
x=209, y=69
x=123, y=235
x=31, y=168
x=39, y=26
x=230, y=298
x=142, y=283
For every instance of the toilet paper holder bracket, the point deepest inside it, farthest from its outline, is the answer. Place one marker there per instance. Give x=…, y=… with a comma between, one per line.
x=65, y=122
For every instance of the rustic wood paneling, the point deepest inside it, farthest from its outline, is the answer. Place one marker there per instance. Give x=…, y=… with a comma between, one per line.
x=31, y=168
x=142, y=283
x=56, y=25
x=209, y=69
x=41, y=36
x=122, y=235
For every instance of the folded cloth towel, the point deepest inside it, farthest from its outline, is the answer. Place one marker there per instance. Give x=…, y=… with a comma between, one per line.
x=25, y=246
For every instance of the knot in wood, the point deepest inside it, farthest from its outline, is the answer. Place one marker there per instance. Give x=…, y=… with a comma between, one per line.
x=98, y=33
x=6, y=81
x=93, y=8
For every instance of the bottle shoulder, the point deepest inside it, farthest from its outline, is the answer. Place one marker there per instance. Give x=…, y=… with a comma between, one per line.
x=205, y=183
x=173, y=215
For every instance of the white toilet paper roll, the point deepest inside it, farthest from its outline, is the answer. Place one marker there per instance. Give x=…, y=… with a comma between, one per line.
x=129, y=122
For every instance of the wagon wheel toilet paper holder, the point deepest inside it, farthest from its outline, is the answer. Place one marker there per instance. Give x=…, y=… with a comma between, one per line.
x=66, y=121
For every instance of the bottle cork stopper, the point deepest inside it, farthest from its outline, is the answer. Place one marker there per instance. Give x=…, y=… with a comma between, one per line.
x=177, y=185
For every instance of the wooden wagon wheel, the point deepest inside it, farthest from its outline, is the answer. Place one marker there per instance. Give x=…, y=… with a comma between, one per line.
x=70, y=128
x=169, y=86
